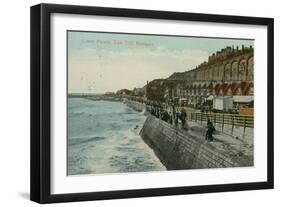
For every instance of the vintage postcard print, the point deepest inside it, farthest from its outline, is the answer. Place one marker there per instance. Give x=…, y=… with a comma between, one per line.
x=142, y=103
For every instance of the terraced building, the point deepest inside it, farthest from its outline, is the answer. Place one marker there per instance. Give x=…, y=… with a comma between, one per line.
x=229, y=72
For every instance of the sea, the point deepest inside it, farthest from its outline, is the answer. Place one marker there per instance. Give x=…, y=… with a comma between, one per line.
x=103, y=137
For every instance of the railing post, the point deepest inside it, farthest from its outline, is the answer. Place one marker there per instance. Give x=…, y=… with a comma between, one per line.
x=222, y=122
x=232, y=118
x=244, y=127
x=215, y=119
x=201, y=118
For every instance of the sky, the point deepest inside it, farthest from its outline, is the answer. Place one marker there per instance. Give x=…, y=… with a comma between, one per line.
x=107, y=62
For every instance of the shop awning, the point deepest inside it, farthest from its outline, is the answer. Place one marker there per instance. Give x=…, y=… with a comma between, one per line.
x=243, y=99
x=210, y=98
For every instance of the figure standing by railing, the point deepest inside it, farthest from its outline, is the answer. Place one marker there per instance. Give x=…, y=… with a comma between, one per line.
x=183, y=116
x=210, y=130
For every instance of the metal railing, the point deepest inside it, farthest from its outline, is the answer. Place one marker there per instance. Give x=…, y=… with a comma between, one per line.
x=223, y=119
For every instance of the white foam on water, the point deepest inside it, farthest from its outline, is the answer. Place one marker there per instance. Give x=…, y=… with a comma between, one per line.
x=104, y=138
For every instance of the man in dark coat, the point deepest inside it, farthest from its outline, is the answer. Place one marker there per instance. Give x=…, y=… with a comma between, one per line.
x=210, y=130
x=183, y=118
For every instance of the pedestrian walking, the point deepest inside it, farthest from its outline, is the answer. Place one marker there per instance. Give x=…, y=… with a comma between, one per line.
x=176, y=121
x=174, y=110
x=170, y=118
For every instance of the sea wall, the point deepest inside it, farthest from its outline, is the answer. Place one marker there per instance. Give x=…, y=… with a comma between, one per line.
x=134, y=105
x=177, y=149
x=104, y=98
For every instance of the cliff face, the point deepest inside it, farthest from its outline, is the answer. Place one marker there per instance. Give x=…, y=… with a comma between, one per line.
x=180, y=150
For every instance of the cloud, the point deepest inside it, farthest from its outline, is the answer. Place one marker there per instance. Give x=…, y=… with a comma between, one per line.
x=105, y=70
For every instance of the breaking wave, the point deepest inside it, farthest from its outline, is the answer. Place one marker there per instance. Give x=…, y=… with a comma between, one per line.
x=103, y=137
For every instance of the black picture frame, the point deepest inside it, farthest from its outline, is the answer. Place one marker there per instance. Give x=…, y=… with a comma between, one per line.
x=41, y=102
